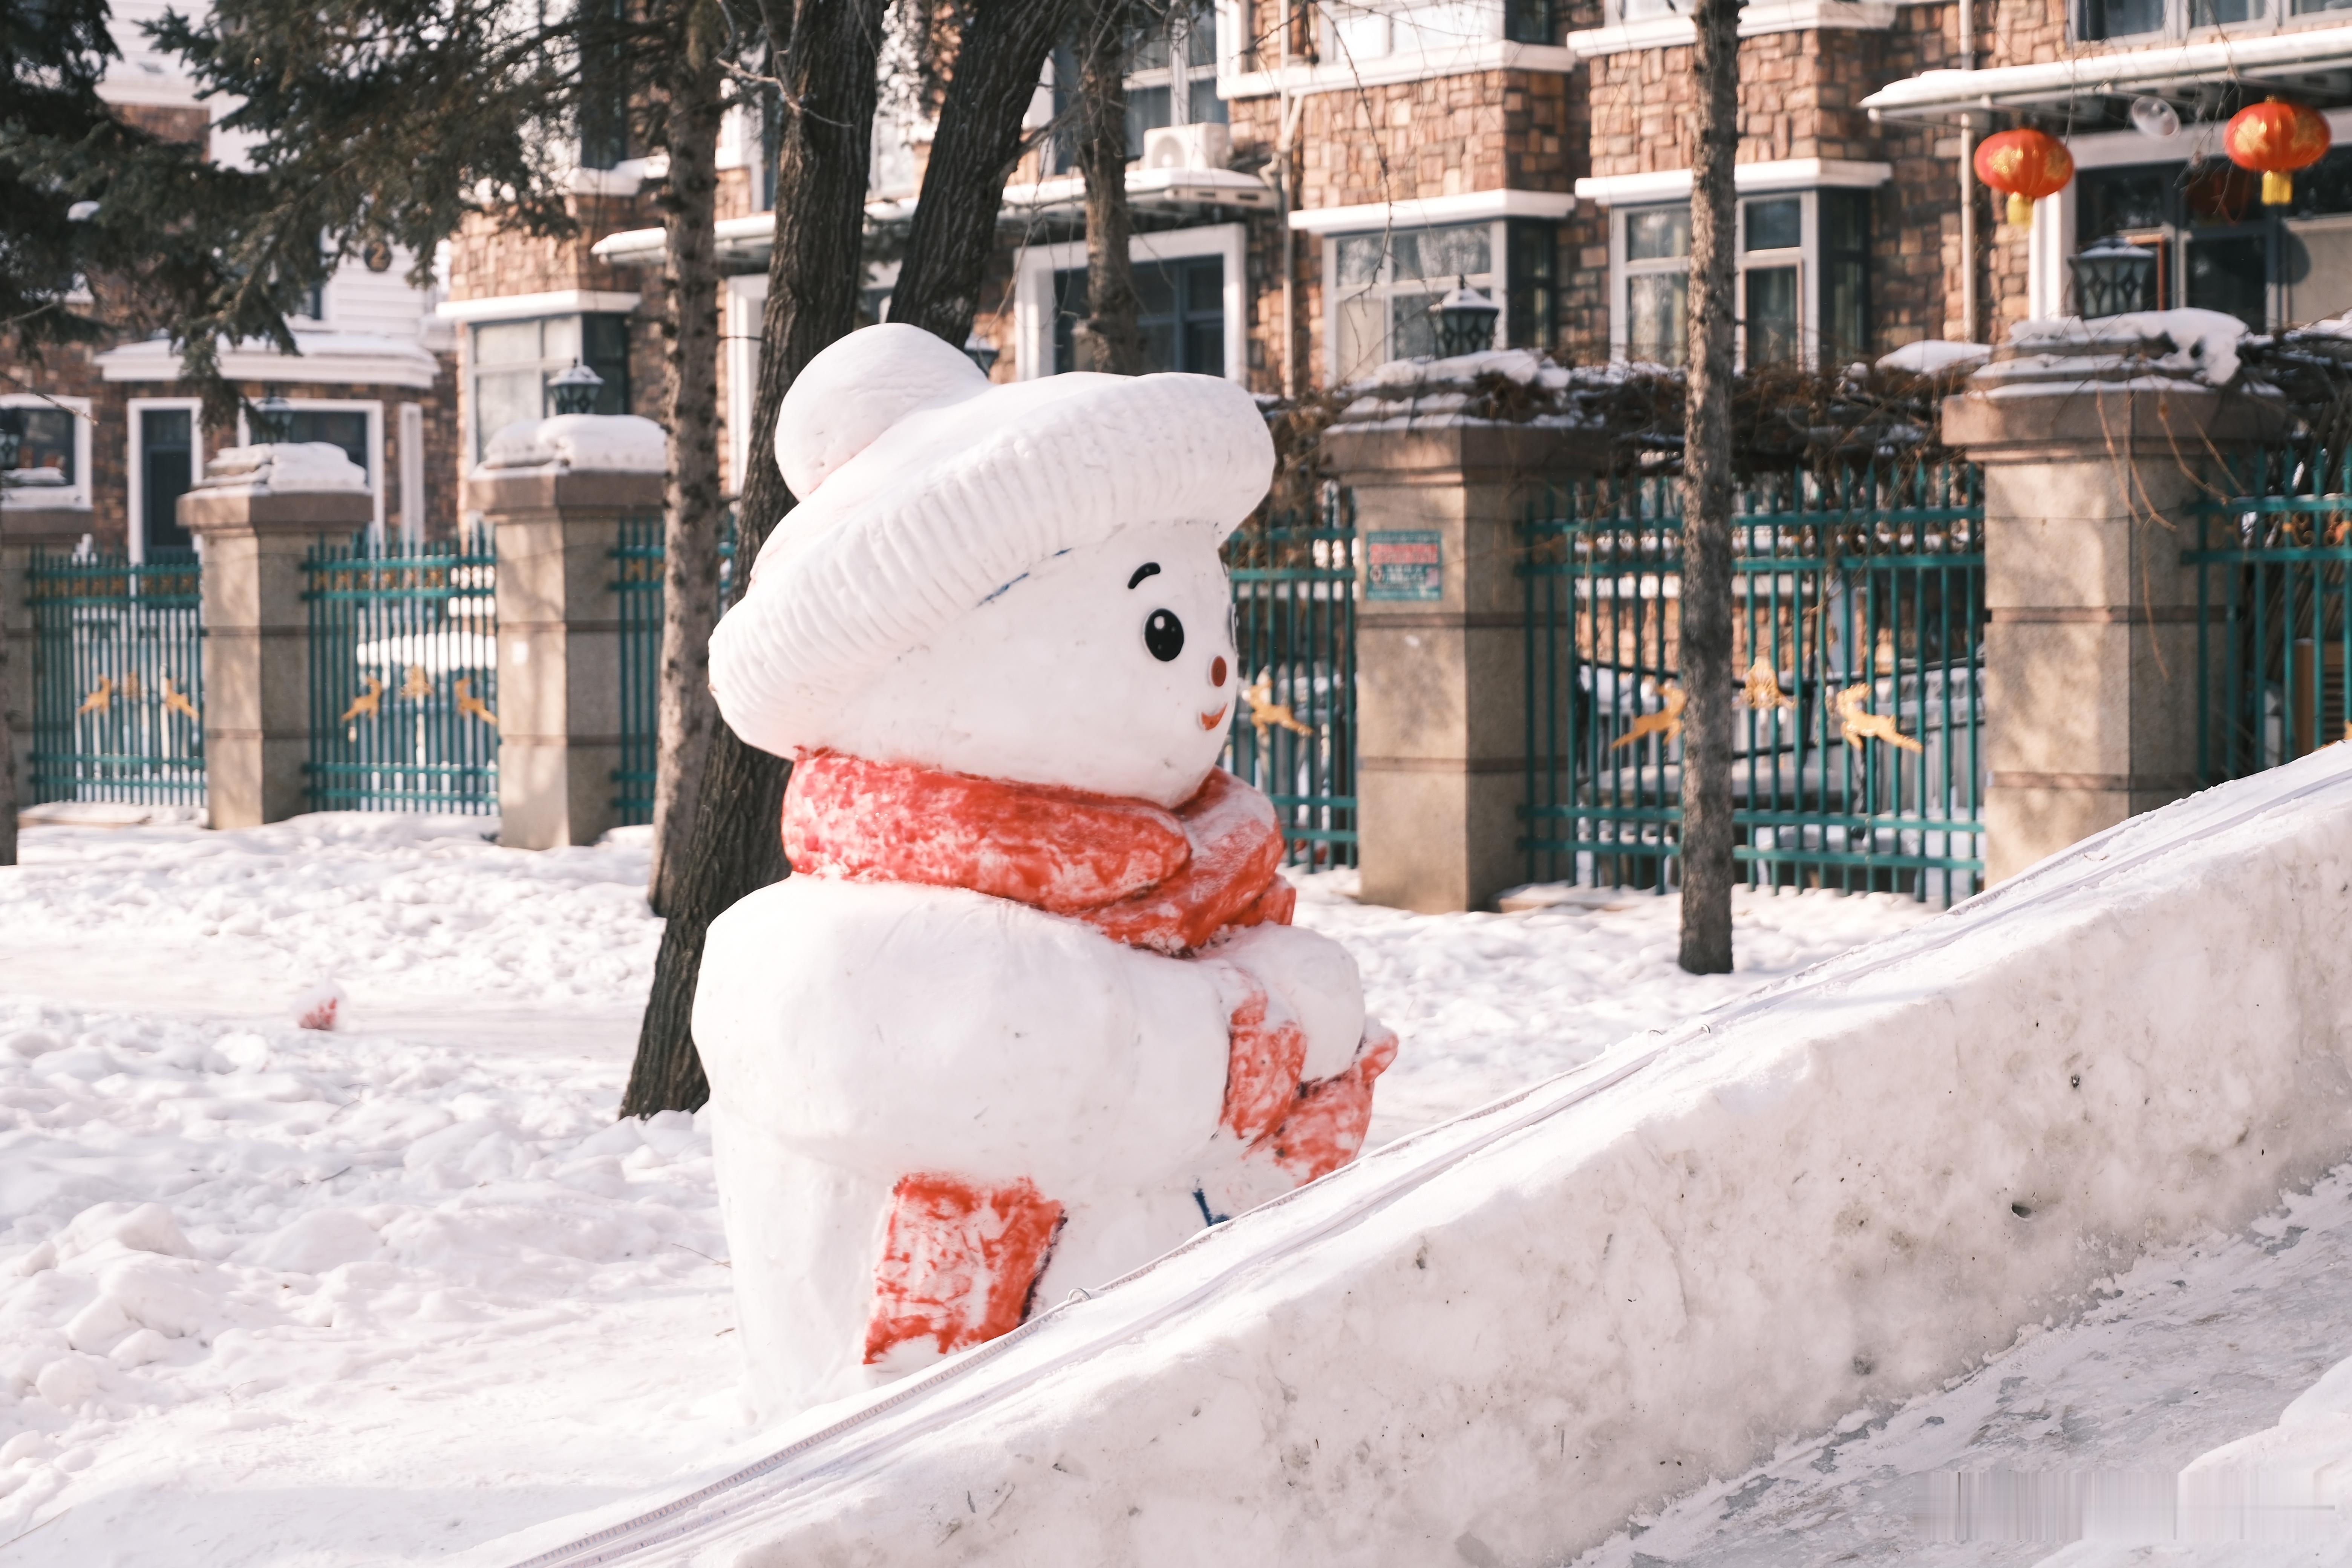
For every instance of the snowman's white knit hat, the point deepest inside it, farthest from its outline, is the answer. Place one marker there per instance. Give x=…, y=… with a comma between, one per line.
x=924, y=490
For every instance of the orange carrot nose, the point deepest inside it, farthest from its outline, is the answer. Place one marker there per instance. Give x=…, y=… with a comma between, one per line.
x=1217, y=671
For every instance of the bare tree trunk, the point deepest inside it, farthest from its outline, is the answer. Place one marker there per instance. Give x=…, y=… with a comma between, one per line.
x=1114, y=343
x=8, y=743
x=999, y=61
x=827, y=66
x=1706, y=604
x=694, y=509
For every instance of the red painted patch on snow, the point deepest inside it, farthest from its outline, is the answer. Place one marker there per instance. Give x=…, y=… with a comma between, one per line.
x=1327, y=1124
x=1168, y=881
x=1262, y=1067
x=959, y=1262
x=319, y=1016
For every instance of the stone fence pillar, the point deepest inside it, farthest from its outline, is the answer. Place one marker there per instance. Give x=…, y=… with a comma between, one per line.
x=2090, y=653
x=255, y=514
x=1441, y=697
x=554, y=492
x=22, y=531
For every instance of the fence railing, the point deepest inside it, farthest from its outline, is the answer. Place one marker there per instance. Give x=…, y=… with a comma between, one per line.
x=2273, y=556
x=1858, y=605
x=117, y=678
x=638, y=563
x=404, y=678
x=1293, y=728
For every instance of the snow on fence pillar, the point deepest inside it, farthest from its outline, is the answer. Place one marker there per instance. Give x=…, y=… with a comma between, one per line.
x=1440, y=694
x=22, y=531
x=2093, y=436
x=255, y=514
x=554, y=492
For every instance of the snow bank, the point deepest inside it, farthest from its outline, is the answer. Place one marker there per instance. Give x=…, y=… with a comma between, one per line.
x=286, y=465
x=1933, y=356
x=1496, y=1340
x=608, y=443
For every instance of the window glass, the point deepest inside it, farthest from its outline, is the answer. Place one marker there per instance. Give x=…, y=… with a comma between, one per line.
x=1531, y=319
x=2315, y=266
x=1147, y=110
x=1776, y=225
x=2326, y=186
x=1771, y=315
x=1443, y=253
x=1656, y=303
x=46, y=437
x=1359, y=259
x=1148, y=48
x=166, y=459
x=506, y=343
x=2112, y=201
x=1362, y=338
x=1527, y=21
x=344, y=428
x=1182, y=314
x=2121, y=18
x=2224, y=13
x=2306, y=7
x=2228, y=273
x=1201, y=34
x=1412, y=330
x=1657, y=233
x=1844, y=319
x=1203, y=107
x=2219, y=193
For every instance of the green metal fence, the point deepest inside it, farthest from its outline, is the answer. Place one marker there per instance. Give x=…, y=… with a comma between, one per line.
x=404, y=678
x=117, y=678
x=638, y=561
x=1293, y=728
x=1859, y=610
x=2271, y=556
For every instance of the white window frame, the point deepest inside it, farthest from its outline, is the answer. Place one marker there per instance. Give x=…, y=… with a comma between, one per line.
x=1805, y=257
x=135, y=470
x=1497, y=288
x=1178, y=75
x=412, y=475
x=374, y=409
x=76, y=496
x=1033, y=295
x=743, y=304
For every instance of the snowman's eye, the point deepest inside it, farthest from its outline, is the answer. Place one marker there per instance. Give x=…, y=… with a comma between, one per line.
x=1163, y=633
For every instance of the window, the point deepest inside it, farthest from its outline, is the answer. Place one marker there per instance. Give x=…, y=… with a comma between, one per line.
x=1172, y=74
x=1384, y=284
x=513, y=360
x=2096, y=20
x=604, y=86
x=1803, y=284
x=167, y=461
x=2217, y=248
x=52, y=468
x=1182, y=314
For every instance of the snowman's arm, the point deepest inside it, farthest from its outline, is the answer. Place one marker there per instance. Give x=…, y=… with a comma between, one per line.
x=1316, y=979
x=892, y=1028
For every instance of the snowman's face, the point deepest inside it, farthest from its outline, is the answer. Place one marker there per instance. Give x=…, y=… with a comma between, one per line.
x=1109, y=668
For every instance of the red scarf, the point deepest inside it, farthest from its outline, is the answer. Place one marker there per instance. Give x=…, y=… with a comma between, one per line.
x=1168, y=881
x=959, y=1261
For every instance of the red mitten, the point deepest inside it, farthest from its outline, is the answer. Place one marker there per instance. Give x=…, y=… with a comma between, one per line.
x=1326, y=1122
x=959, y=1262
x=1265, y=1055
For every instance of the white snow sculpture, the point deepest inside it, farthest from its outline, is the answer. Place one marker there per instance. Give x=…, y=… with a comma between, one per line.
x=1029, y=1012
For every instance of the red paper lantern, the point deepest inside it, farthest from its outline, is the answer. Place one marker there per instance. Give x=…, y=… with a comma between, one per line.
x=2276, y=138
x=2026, y=164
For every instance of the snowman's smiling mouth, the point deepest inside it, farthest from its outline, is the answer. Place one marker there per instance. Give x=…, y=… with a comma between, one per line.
x=1210, y=721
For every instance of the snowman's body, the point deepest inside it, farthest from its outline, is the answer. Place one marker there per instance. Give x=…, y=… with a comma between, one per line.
x=869, y=1038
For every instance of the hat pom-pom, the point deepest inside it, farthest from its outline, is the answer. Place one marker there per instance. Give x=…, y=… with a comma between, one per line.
x=858, y=388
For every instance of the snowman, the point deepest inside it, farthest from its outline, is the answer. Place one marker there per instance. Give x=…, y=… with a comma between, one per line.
x=1030, y=1011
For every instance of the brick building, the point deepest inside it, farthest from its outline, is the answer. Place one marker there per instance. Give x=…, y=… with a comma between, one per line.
x=108, y=439
x=1309, y=178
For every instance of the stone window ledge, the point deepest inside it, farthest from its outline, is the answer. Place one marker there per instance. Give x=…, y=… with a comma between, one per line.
x=1749, y=179
x=1754, y=21
x=1471, y=57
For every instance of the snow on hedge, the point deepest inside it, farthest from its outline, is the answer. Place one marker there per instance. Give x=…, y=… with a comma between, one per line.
x=1494, y=1341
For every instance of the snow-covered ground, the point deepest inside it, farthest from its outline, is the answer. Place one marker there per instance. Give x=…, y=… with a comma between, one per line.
x=275, y=1296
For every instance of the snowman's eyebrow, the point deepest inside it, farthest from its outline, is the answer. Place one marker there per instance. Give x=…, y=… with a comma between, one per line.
x=1148, y=569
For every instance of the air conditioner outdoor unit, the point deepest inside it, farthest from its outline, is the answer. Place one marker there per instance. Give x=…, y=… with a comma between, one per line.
x=1208, y=145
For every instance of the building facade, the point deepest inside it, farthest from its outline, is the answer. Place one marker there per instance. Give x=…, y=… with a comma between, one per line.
x=1309, y=178
x=108, y=439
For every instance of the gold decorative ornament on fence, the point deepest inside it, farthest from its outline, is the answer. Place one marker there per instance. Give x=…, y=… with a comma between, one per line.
x=473, y=705
x=1266, y=713
x=368, y=703
x=1860, y=724
x=176, y=701
x=101, y=698
x=416, y=685
x=1762, y=690
x=1666, y=723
